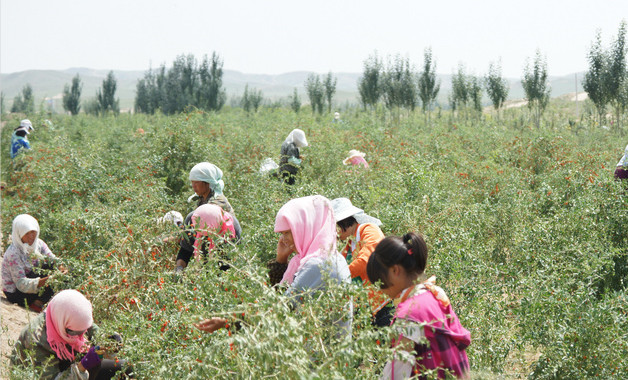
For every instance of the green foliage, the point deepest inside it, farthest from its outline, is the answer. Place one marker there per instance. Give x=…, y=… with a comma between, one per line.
x=251, y=100
x=72, y=96
x=185, y=84
x=369, y=84
x=330, y=89
x=295, y=101
x=527, y=233
x=398, y=85
x=536, y=87
x=616, y=78
x=315, y=89
x=24, y=102
x=460, y=91
x=594, y=79
x=496, y=86
x=427, y=84
x=106, y=96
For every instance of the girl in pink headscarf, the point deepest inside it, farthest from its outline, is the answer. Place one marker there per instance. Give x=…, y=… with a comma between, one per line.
x=209, y=222
x=60, y=335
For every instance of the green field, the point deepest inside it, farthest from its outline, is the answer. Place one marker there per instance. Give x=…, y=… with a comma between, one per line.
x=528, y=235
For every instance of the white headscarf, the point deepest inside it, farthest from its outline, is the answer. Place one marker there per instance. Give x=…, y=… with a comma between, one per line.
x=22, y=224
x=624, y=159
x=209, y=173
x=297, y=137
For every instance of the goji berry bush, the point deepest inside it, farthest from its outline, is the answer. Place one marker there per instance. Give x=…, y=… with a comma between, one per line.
x=527, y=231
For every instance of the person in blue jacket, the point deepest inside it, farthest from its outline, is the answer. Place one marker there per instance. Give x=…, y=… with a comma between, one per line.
x=19, y=140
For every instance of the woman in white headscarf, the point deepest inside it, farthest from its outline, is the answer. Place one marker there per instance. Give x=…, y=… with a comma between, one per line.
x=20, y=282
x=290, y=160
x=621, y=171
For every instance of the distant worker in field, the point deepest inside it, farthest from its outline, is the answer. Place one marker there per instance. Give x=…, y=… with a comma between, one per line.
x=336, y=117
x=25, y=257
x=19, y=140
x=356, y=158
x=290, y=160
x=206, y=180
x=621, y=171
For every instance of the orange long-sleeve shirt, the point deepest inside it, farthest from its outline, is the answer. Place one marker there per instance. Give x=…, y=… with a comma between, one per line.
x=367, y=237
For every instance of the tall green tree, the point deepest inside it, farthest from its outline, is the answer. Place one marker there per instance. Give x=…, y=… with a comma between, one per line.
x=72, y=96
x=295, y=101
x=459, y=97
x=496, y=86
x=594, y=82
x=25, y=101
x=251, y=100
x=475, y=93
x=316, y=92
x=536, y=87
x=2, y=109
x=330, y=89
x=616, y=74
x=212, y=94
x=369, y=84
x=106, y=95
x=399, y=85
x=427, y=84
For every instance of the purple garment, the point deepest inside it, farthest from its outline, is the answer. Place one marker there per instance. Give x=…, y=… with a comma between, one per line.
x=621, y=173
x=446, y=336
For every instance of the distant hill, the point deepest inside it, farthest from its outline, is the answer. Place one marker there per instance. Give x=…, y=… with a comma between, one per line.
x=49, y=84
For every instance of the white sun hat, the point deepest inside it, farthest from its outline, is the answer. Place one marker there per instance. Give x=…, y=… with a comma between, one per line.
x=344, y=209
x=353, y=153
x=173, y=217
x=27, y=125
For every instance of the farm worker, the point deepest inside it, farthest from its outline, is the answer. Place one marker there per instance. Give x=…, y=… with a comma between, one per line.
x=20, y=282
x=356, y=158
x=53, y=339
x=308, y=229
x=290, y=160
x=424, y=312
x=362, y=234
x=19, y=139
x=207, y=183
x=206, y=179
x=621, y=171
x=336, y=117
x=212, y=227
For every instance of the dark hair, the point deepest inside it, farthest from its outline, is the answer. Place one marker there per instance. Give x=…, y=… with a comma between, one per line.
x=409, y=251
x=346, y=223
x=21, y=133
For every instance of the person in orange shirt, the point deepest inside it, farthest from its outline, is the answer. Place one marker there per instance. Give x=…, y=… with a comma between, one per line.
x=362, y=234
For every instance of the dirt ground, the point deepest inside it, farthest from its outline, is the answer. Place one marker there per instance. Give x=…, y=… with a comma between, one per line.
x=12, y=319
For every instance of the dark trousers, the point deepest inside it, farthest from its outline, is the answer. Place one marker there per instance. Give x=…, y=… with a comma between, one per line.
x=28, y=298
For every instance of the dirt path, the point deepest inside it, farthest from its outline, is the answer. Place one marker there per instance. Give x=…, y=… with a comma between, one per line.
x=12, y=319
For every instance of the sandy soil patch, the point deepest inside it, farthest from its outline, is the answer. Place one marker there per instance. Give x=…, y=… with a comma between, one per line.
x=12, y=319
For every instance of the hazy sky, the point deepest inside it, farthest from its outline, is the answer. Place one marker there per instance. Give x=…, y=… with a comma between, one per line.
x=277, y=36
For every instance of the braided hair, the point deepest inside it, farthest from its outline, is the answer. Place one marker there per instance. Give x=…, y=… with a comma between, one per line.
x=409, y=251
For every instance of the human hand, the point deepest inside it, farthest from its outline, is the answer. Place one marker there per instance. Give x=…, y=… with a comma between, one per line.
x=62, y=269
x=92, y=358
x=284, y=250
x=211, y=325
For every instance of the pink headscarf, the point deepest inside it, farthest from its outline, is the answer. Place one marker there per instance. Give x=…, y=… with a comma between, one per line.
x=69, y=309
x=311, y=221
x=210, y=218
